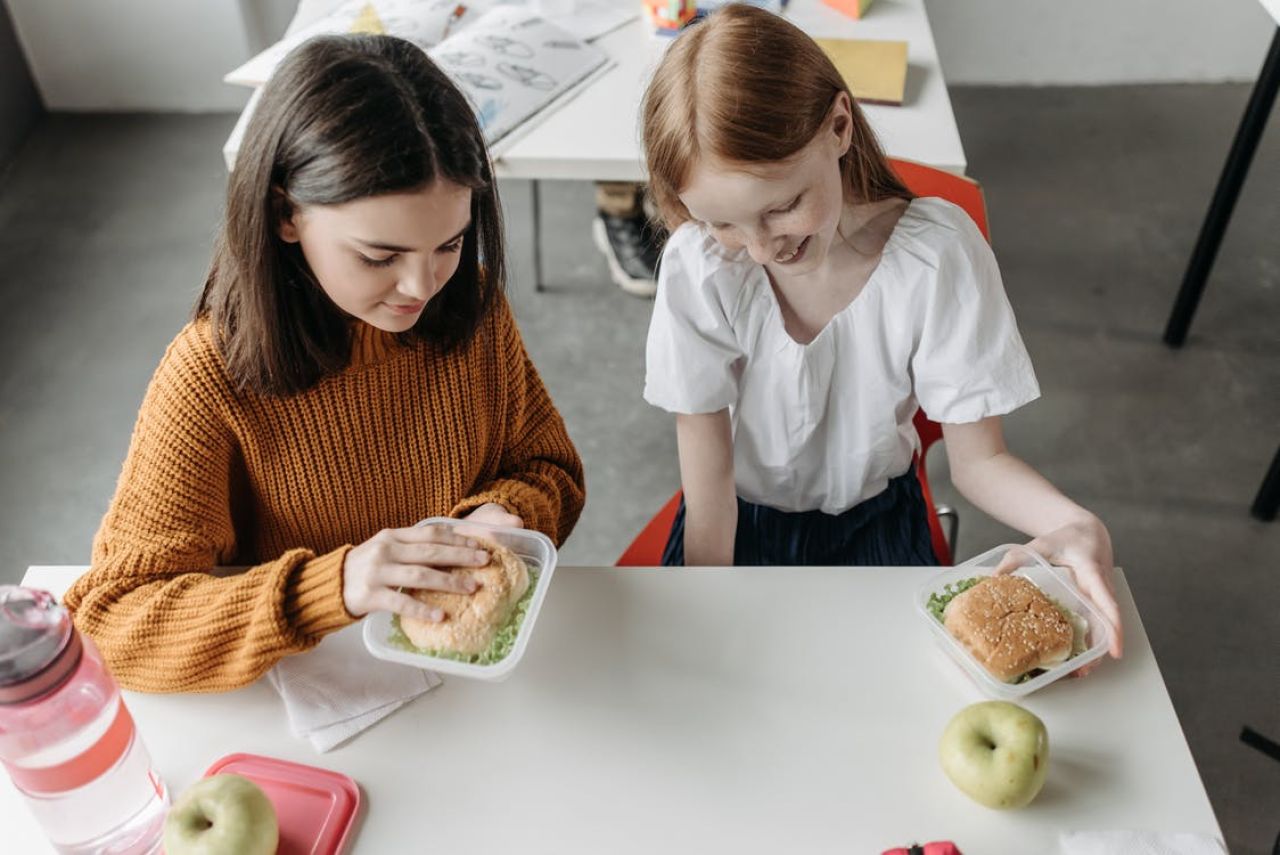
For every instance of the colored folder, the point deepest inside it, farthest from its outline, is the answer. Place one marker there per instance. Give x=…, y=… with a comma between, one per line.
x=876, y=71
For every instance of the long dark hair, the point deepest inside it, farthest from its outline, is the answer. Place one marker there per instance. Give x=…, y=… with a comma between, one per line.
x=342, y=118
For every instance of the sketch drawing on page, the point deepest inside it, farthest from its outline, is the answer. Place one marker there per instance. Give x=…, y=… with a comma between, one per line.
x=528, y=76
x=507, y=46
x=542, y=62
x=461, y=59
x=479, y=81
x=427, y=23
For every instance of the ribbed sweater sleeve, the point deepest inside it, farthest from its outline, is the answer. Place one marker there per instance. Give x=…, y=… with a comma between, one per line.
x=539, y=476
x=162, y=620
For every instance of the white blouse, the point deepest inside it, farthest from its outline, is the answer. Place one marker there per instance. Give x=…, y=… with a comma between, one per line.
x=825, y=425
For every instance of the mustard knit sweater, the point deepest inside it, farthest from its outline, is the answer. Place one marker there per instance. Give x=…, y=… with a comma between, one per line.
x=217, y=477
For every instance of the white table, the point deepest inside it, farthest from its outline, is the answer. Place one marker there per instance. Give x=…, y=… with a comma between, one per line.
x=596, y=136
x=749, y=710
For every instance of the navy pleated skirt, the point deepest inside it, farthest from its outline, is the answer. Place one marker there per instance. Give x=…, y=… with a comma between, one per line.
x=890, y=529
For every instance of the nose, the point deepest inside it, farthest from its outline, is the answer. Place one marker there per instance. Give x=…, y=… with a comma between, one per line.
x=761, y=246
x=419, y=283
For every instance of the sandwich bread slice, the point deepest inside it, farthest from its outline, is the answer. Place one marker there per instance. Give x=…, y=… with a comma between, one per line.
x=471, y=621
x=1010, y=626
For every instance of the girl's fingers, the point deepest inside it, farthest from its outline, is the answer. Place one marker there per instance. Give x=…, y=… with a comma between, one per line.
x=1015, y=558
x=1008, y=564
x=444, y=535
x=436, y=555
x=1093, y=584
x=402, y=604
x=476, y=527
x=426, y=578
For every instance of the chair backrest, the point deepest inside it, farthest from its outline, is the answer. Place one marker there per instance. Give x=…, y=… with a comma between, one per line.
x=967, y=194
x=929, y=432
x=646, y=549
x=957, y=189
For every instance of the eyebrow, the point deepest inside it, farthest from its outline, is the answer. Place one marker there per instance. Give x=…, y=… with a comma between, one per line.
x=391, y=247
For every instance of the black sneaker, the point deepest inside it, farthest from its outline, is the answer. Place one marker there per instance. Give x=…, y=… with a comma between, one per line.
x=632, y=246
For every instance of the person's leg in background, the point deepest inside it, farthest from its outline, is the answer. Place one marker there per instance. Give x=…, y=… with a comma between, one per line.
x=630, y=242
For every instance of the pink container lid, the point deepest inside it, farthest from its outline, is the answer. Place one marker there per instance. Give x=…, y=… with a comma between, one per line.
x=316, y=808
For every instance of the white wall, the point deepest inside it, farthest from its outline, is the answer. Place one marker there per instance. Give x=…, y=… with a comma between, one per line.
x=1054, y=42
x=165, y=55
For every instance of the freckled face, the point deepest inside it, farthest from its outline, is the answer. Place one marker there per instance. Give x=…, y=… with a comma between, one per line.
x=785, y=215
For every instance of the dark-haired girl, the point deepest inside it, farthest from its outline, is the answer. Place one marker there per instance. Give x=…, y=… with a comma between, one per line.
x=352, y=367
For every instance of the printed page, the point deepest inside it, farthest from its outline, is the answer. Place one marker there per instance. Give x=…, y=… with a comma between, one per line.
x=512, y=64
x=426, y=23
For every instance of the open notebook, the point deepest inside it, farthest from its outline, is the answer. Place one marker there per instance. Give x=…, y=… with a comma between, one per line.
x=512, y=64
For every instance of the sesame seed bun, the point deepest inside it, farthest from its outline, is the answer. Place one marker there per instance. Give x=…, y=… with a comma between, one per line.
x=1009, y=626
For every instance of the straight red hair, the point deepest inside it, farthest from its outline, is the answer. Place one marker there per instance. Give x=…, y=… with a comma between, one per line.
x=746, y=86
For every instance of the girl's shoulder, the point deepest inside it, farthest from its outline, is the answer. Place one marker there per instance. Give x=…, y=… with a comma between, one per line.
x=937, y=248
x=695, y=266
x=194, y=352
x=193, y=362
x=931, y=229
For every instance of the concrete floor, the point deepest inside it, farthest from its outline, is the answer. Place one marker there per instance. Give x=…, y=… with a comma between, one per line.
x=1095, y=199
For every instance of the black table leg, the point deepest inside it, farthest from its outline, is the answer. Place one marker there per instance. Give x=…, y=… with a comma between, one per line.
x=534, y=192
x=1224, y=197
x=1268, y=500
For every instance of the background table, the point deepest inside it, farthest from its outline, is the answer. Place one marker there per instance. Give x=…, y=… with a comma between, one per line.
x=596, y=135
x=749, y=710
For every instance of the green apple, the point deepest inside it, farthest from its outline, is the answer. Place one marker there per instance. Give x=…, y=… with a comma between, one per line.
x=997, y=753
x=222, y=815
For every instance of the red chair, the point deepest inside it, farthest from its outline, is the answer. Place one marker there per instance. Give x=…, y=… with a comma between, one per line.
x=646, y=549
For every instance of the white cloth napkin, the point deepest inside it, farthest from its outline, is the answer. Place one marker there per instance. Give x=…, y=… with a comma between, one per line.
x=335, y=690
x=1138, y=843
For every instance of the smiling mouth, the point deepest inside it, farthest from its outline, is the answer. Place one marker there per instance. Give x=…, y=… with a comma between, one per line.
x=793, y=255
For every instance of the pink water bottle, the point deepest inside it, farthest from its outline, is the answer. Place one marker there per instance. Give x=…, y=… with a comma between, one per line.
x=66, y=738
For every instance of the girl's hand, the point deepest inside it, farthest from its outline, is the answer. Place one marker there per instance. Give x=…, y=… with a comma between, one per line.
x=374, y=571
x=495, y=514
x=1085, y=547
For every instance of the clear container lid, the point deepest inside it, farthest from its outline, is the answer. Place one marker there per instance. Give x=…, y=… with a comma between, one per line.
x=1056, y=583
x=538, y=553
x=39, y=647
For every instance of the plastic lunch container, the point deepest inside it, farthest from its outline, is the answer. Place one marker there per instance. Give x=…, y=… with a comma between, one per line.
x=1054, y=582
x=316, y=808
x=537, y=551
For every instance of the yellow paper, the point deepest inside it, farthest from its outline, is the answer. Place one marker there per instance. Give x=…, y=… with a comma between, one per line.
x=368, y=22
x=876, y=71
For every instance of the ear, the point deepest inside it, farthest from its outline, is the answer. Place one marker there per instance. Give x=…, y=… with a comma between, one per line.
x=840, y=121
x=284, y=215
